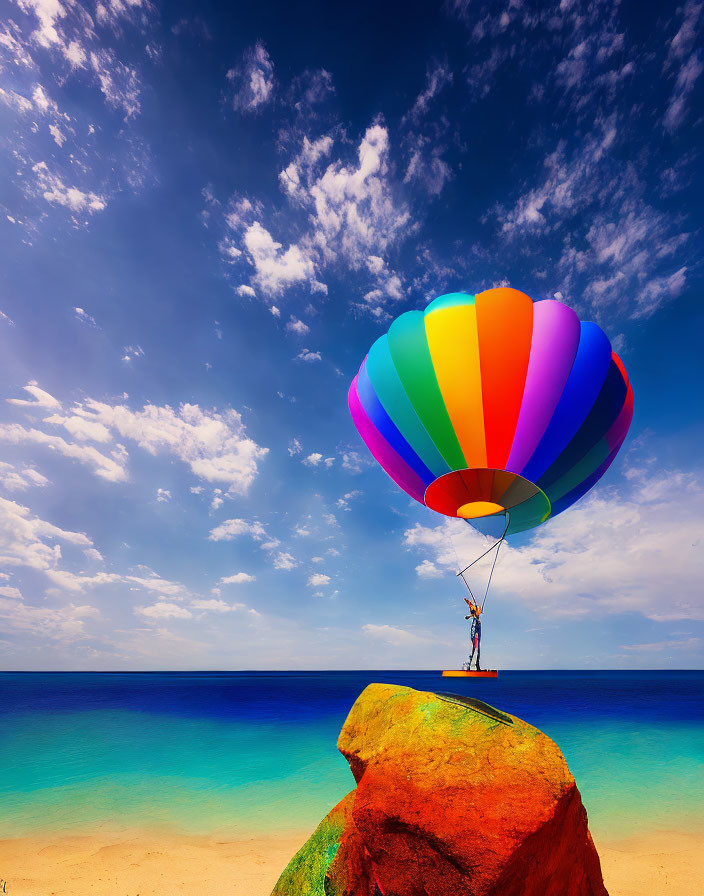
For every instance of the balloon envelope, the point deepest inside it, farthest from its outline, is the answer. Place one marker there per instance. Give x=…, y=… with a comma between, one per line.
x=492, y=403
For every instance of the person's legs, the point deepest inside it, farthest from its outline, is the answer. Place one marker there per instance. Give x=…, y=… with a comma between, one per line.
x=478, y=651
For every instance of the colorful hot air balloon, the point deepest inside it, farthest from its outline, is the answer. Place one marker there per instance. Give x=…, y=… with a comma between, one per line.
x=492, y=403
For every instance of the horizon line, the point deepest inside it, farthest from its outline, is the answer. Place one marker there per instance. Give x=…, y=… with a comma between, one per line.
x=308, y=671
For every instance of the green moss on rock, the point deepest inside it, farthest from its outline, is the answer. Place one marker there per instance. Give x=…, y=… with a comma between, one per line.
x=305, y=873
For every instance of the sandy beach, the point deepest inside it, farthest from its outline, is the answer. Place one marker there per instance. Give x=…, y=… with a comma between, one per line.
x=669, y=863
x=151, y=863
x=144, y=863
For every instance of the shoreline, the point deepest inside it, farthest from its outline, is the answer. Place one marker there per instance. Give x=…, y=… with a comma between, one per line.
x=150, y=862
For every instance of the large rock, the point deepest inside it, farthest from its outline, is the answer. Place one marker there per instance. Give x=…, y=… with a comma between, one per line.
x=453, y=798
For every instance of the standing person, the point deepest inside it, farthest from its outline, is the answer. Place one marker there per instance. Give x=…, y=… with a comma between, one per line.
x=475, y=631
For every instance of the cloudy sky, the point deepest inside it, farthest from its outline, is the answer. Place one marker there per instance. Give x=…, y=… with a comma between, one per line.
x=209, y=213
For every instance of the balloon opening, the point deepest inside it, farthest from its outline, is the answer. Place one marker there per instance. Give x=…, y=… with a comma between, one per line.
x=479, y=495
x=474, y=509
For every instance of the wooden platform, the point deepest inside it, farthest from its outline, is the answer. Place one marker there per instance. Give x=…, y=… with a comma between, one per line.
x=463, y=673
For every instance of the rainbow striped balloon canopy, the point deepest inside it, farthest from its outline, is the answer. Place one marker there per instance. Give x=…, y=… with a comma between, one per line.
x=493, y=407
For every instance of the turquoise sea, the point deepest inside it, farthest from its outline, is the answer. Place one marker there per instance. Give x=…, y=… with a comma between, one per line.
x=249, y=752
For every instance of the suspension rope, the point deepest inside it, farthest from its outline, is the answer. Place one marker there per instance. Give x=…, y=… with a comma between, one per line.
x=496, y=557
x=496, y=545
x=457, y=558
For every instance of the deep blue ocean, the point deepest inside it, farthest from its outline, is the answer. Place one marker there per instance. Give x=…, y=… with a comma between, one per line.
x=248, y=752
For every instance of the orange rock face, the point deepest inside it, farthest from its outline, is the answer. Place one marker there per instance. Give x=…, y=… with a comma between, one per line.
x=455, y=798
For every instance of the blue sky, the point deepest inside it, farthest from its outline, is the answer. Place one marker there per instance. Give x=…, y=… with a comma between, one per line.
x=209, y=214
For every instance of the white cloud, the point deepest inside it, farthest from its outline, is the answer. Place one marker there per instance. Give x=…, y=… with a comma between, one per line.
x=150, y=581
x=658, y=291
x=80, y=428
x=15, y=479
x=163, y=495
x=75, y=54
x=119, y=83
x=308, y=356
x=294, y=447
x=48, y=13
x=16, y=101
x=427, y=168
x=235, y=528
x=238, y=578
x=668, y=645
x=687, y=77
x=317, y=580
x=54, y=190
x=437, y=78
x=215, y=606
x=563, y=183
x=354, y=462
x=586, y=56
x=353, y=208
x=131, y=352
x=230, y=529
x=298, y=327
x=107, y=467
x=85, y=317
x=252, y=80
x=607, y=255
x=636, y=549
x=685, y=38
x=393, y=635
x=245, y=290
x=164, y=610
x=428, y=570
x=41, y=398
x=343, y=503
x=214, y=444
x=283, y=560
x=313, y=460
x=28, y=541
x=57, y=134
x=10, y=591
x=114, y=12
x=65, y=580
x=424, y=150
x=310, y=89
x=43, y=102
x=684, y=57
x=353, y=212
x=55, y=47
x=64, y=624
x=275, y=268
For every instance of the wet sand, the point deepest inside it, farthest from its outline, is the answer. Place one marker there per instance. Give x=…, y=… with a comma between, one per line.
x=153, y=863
